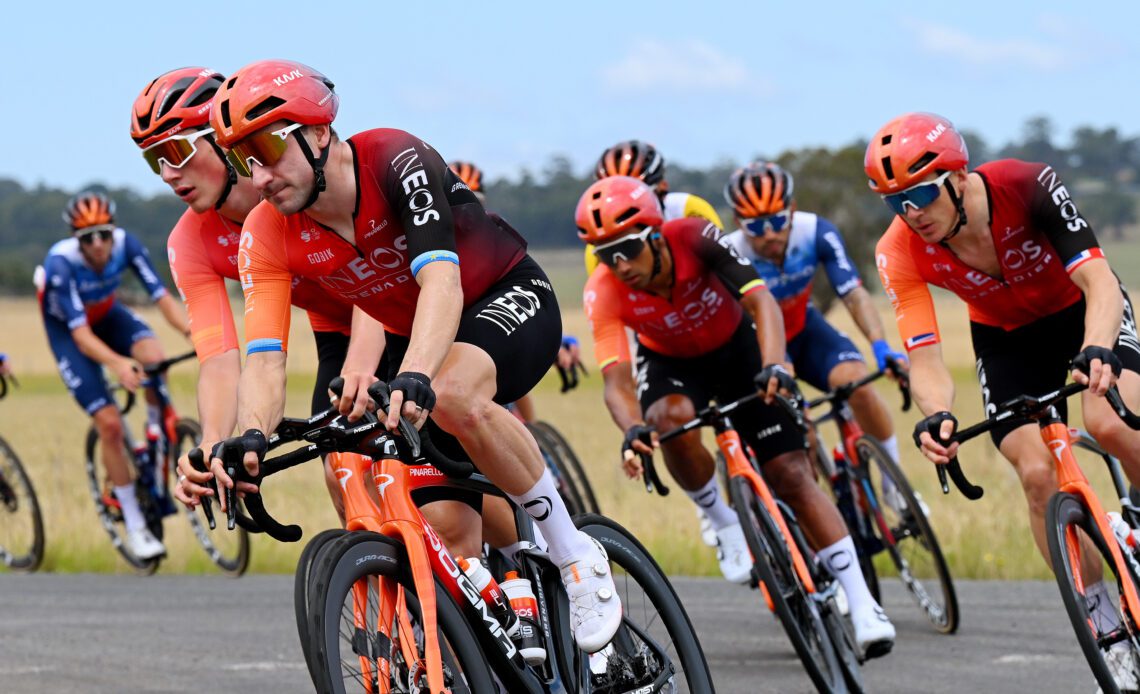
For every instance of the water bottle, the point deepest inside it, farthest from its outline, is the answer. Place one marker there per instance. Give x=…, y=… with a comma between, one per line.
x=525, y=605
x=492, y=594
x=1125, y=535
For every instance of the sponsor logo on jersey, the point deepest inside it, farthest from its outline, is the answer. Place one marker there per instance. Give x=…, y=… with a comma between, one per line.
x=308, y=235
x=1060, y=195
x=320, y=256
x=1016, y=258
x=414, y=180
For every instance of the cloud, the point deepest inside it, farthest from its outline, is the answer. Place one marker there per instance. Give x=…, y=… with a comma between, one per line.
x=947, y=41
x=692, y=65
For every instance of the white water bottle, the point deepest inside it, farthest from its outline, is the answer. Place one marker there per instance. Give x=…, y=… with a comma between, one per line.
x=1125, y=535
x=525, y=605
x=492, y=594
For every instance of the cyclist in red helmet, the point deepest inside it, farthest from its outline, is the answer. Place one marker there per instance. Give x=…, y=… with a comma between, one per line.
x=1009, y=240
x=472, y=320
x=706, y=327
x=170, y=123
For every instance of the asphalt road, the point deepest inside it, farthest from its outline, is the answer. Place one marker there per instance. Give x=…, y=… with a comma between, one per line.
x=119, y=634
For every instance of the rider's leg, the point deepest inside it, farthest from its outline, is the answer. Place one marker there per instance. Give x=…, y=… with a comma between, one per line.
x=1110, y=431
x=110, y=428
x=457, y=525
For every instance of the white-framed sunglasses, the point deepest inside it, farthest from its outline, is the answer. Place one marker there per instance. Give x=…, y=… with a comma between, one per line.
x=174, y=151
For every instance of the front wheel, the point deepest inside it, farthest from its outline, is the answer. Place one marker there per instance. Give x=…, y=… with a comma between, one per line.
x=21, y=525
x=1108, y=634
x=898, y=519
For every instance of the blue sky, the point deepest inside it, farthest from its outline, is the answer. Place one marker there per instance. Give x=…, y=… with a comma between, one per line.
x=508, y=85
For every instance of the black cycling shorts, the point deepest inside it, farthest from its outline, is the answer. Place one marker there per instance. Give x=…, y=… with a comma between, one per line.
x=725, y=374
x=1034, y=359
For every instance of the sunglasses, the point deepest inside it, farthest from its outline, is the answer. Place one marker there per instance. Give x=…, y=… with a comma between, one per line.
x=104, y=234
x=263, y=148
x=917, y=196
x=174, y=151
x=758, y=226
x=626, y=248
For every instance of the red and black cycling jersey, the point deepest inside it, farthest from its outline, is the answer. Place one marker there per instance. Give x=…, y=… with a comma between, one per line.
x=1039, y=237
x=411, y=210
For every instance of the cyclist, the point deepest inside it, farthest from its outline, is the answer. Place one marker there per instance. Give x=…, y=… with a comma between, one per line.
x=170, y=122
x=395, y=224
x=1009, y=240
x=88, y=328
x=642, y=160
x=787, y=246
x=704, y=321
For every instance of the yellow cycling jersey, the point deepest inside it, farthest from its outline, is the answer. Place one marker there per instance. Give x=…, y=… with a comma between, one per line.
x=676, y=206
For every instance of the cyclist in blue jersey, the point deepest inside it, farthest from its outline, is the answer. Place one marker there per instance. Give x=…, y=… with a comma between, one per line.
x=787, y=246
x=88, y=328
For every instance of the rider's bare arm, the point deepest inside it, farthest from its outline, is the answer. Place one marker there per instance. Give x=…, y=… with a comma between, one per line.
x=217, y=396
x=1105, y=303
x=174, y=314
x=261, y=392
x=438, y=310
x=862, y=310
x=365, y=347
x=765, y=313
x=621, y=395
x=94, y=348
x=931, y=384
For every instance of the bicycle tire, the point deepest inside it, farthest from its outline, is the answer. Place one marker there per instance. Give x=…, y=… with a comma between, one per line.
x=913, y=531
x=574, y=465
x=567, y=488
x=794, y=607
x=228, y=549
x=20, y=498
x=630, y=556
x=110, y=518
x=354, y=557
x=301, y=579
x=1067, y=511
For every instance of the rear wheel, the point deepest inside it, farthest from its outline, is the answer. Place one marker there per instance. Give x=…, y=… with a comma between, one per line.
x=796, y=608
x=1071, y=530
x=563, y=481
x=21, y=526
x=107, y=506
x=899, y=523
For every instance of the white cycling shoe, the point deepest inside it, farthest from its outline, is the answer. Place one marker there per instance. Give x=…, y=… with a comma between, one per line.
x=733, y=555
x=874, y=633
x=595, y=609
x=708, y=534
x=1122, y=665
x=144, y=545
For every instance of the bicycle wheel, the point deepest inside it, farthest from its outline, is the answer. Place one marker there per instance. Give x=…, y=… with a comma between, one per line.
x=21, y=526
x=656, y=648
x=348, y=645
x=1066, y=520
x=573, y=467
x=301, y=579
x=228, y=549
x=567, y=489
x=912, y=545
x=797, y=610
x=107, y=507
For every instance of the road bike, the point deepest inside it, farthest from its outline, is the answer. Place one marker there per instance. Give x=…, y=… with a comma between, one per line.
x=881, y=509
x=153, y=461
x=21, y=525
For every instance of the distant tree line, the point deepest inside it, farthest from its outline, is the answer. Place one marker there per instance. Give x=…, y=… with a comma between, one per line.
x=1101, y=166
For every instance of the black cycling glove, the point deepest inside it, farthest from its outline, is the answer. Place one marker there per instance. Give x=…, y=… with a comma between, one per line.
x=637, y=432
x=416, y=388
x=785, y=380
x=933, y=426
x=1083, y=361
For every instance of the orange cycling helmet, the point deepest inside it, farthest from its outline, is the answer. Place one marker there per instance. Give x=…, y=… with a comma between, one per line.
x=268, y=91
x=633, y=158
x=471, y=175
x=616, y=206
x=172, y=102
x=89, y=208
x=911, y=147
x=760, y=189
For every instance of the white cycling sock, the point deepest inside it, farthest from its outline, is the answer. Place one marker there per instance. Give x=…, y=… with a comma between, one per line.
x=843, y=563
x=549, y=512
x=540, y=543
x=132, y=514
x=709, y=500
x=892, y=446
x=1101, y=610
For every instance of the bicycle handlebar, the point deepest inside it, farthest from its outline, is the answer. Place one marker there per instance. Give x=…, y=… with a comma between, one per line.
x=152, y=371
x=843, y=393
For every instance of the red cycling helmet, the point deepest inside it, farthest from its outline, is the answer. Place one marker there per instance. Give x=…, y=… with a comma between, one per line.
x=268, y=91
x=632, y=158
x=471, y=175
x=88, y=209
x=171, y=103
x=615, y=206
x=759, y=189
x=911, y=147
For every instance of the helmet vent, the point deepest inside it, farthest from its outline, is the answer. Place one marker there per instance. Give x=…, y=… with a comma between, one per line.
x=922, y=161
x=887, y=139
x=270, y=103
x=205, y=93
x=597, y=219
x=887, y=168
x=226, y=121
x=626, y=216
x=174, y=95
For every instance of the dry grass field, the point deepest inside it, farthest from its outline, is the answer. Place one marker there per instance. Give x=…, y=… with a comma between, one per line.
x=984, y=539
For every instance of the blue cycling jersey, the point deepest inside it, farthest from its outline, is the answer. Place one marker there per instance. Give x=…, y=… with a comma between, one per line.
x=813, y=241
x=76, y=294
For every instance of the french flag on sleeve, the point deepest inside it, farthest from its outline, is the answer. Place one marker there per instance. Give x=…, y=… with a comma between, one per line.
x=921, y=340
x=1083, y=257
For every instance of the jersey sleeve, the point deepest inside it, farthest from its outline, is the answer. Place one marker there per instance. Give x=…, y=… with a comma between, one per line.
x=715, y=250
x=61, y=293
x=203, y=291
x=138, y=257
x=1055, y=214
x=832, y=254
x=908, y=292
x=696, y=206
x=600, y=302
x=266, y=281
x=415, y=185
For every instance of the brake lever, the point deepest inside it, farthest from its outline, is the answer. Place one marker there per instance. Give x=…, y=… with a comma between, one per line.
x=379, y=393
x=650, y=476
x=198, y=462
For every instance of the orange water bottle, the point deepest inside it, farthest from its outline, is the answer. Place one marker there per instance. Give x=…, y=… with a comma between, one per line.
x=492, y=594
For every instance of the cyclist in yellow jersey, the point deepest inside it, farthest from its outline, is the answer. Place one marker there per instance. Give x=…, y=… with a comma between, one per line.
x=642, y=160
